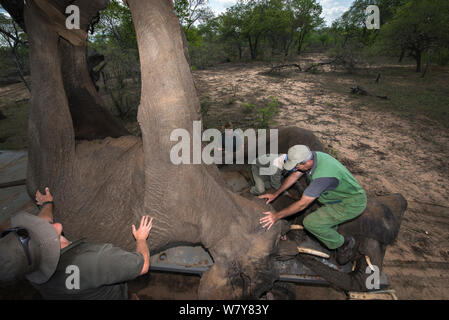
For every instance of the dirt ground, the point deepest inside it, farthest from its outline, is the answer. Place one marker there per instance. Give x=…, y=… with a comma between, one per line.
x=389, y=148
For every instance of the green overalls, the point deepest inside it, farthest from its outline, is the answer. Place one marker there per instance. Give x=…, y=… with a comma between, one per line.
x=345, y=202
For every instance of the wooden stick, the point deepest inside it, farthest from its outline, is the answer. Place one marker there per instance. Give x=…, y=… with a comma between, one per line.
x=285, y=66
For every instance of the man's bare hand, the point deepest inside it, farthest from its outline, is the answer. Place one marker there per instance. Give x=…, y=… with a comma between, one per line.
x=144, y=229
x=41, y=198
x=269, y=220
x=269, y=196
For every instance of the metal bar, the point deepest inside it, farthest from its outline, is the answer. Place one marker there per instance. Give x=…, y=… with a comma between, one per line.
x=196, y=260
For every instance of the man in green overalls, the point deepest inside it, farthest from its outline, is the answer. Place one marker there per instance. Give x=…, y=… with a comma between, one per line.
x=341, y=196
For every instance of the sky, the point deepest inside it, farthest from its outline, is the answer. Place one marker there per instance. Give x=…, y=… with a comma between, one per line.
x=332, y=9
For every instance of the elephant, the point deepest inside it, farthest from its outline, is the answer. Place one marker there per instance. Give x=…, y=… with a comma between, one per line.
x=103, y=179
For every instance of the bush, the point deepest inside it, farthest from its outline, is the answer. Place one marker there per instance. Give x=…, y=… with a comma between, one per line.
x=266, y=114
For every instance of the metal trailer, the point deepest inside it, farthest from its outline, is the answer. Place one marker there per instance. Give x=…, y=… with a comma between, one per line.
x=196, y=260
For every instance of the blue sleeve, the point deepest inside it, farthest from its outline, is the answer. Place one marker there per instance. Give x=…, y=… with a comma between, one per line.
x=318, y=186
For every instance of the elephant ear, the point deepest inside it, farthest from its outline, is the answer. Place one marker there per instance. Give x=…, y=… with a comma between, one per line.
x=248, y=275
x=381, y=219
x=237, y=279
x=215, y=284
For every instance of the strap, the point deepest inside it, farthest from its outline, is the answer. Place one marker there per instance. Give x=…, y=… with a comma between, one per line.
x=45, y=203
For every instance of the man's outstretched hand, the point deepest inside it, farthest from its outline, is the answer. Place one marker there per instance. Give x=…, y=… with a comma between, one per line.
x=41, y=198
x=269, y=219
x=144, y=229
x=269, y=196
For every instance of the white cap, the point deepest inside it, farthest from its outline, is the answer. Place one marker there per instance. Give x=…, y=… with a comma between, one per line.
x=297, y=154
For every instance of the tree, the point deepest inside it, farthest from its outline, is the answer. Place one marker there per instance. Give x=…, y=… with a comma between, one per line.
x=12, y=35
x=307, y=16
x=417, y=27
x=230, y=27
x=280, y=25
x=191, y=11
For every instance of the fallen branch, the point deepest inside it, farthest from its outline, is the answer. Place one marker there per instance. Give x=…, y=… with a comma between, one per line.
x=314, y=65
x=363, y=92
x=278, y=68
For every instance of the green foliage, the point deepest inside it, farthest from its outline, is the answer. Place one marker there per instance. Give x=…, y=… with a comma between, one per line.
x=248, y=108
x=14, y=51
x=266, y=114
x=191, y=11
x=416, y=27
x=116, y=27
x=442, y=56
x=205, y=107
x=263, y=115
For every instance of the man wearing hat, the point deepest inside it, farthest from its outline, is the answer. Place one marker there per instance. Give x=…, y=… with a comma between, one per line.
x=36, y=247
x=267, y=172
x=341, y=196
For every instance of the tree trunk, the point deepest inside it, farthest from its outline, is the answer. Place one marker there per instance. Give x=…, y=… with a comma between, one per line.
x=429, y=62
x=401, y=57
x=300, y=44
x=418, y=58
x=251, y=48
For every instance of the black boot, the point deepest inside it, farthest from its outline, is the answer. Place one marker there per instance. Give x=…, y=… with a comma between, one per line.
x=346, y=252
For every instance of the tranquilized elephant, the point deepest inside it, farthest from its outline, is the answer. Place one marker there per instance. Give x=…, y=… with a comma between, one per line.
x=104, y=180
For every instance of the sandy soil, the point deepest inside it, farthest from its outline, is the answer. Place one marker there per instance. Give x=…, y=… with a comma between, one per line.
x=387, y=153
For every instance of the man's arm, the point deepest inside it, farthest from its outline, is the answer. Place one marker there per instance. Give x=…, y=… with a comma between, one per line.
x=46, y=212
x=291, y=179
x=141, y=236
x=270, y=218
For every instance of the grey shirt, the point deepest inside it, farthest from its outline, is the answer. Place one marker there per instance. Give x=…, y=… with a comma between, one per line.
x=318, y=186
x=103, y=272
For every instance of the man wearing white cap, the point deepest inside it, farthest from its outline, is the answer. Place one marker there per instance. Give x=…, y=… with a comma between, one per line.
x=341, y=196
x=267, y=172
x=36, y=247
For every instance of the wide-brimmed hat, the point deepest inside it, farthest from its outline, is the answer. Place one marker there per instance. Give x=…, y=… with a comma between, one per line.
x=297, y=154
x=43, y=245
